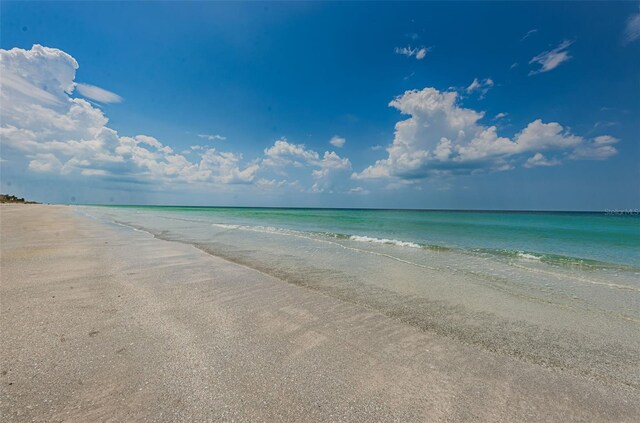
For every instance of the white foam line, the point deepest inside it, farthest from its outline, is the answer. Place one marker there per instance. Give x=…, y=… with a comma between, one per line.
x=291, y=233
x=126, y=225
x=361, y=238
x=528, y=256
x=225, y=226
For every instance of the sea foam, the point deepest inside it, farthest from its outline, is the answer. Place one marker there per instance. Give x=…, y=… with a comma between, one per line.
x=361, y=238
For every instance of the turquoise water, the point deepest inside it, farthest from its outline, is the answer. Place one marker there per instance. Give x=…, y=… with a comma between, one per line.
x=574, y=239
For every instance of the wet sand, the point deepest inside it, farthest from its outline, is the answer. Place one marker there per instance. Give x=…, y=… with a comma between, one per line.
x=100, y=322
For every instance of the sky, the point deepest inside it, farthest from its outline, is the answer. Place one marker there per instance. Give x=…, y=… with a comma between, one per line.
x=473, y=105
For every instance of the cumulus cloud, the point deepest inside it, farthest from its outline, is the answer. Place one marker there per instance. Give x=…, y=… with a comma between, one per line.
x=45, y=162
x=58, y=133
x=61, y=134
x=549, y=60
x=442, y=137
x=330, y=171
x=270, y=184
x=49, y=77
x=418, y=52
x=501, y=115
x=337, y=141
x=600, y=148
x=539, y=159
x=225, y=167
x=97, y=94
x=632, y=29
x=283, y=153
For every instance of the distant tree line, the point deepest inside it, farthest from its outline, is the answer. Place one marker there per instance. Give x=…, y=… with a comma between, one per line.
x=5, y=198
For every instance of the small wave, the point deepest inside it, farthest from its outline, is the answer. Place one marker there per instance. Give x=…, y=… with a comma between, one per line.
x=259, y=228
x=395, y=242
x=336, y=235
x=551, y=259
x=554, y=259
x=357, y=238
x=528, y=256
x=225, y=226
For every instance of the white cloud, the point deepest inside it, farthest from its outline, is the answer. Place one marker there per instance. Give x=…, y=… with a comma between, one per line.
x=337, y=141
x=632, y=29
x=94, y=172
x=594, y=153
x=539, y=159
x=358, y=190
x=44, y=84
x=269, y=184
x=27, y=90
x=283, y=153
x=549, y=60
x=58, y=133
x=215, y=137
x=419, y=52
x=225, y=167
x=528, y=34
x=45, y=163
x=97, y=94
x=501, y=115
x=599, y=148
x=605, y=140
x=330, y=171
x=481, y=86
x=441, y=137
x=333, y=169
x=545, y=135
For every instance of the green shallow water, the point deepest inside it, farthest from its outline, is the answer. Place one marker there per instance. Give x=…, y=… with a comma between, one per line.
x=562, y=238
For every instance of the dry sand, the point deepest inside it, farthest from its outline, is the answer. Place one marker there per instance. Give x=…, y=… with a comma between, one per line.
x=103, y=323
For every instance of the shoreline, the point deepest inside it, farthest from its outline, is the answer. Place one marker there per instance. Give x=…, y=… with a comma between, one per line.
x=100, y=322
x=571, y=320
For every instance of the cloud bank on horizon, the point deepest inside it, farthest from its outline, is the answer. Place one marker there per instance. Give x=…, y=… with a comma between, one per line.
x=60, y=133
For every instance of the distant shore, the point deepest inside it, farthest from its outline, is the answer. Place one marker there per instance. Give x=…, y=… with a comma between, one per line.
x=101, y=322
x=12, y=199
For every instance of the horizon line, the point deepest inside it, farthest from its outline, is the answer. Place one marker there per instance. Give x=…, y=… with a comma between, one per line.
x=612, y=211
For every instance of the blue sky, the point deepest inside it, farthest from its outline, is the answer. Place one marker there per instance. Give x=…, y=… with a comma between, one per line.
x=238, y=104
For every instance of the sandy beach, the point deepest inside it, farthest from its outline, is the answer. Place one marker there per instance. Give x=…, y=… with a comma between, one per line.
x=105, y=323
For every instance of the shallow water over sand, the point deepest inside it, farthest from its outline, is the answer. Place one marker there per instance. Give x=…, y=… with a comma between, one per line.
x=579, y=317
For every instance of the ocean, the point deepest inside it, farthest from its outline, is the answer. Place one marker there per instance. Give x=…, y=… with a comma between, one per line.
x=558, y=289
x=581, y=239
